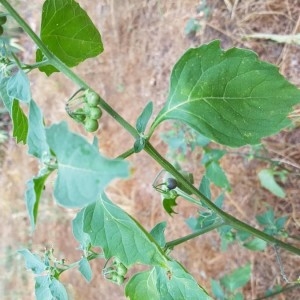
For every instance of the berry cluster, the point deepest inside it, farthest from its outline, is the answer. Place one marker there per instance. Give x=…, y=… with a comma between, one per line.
x=89, y=113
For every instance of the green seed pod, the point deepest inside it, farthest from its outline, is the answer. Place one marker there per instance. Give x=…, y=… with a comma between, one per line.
x=91, y=125
x=95, y=113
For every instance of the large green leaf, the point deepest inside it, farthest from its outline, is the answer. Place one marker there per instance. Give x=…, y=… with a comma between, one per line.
x=83, y=172
x=119, y=235
x=159, y=283
x=229, y=96
x=68, y=32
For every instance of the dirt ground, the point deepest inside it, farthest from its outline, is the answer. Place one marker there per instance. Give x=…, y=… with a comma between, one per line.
x=143, y=40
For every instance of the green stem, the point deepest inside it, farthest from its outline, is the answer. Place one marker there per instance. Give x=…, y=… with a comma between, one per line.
x=227, y=218
x=285, y=289
x=58, y=64
x=126, y=153
x=172, y=244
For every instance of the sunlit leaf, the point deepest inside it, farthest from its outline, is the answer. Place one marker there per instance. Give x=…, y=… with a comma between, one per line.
x=229, y=96
x=130, y=243
x=68, y=32
x=83, y=173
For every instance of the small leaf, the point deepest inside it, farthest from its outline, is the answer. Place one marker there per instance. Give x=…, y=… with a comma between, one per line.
x=168, y=204
x=33, y=261
x=85, y=269
x=68, y=32
x=267, y=180
x=20, y=123
x=158, y=233
x=256, y=244
x=204, y=187
x=77, y=227
x=237, y=279
x=131, y=243
x=143, y=119
x=216, y=175
x=217, y=290
x=83, y=172
x=139, y=144
x=7, y=101
x=33, y=193
x=18, y=87
x=267, y=218
x=229, y=96
x=36, y=140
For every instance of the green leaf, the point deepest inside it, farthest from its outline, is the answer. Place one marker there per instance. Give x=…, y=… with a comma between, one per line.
x=216, y=175
x=36, y=140
x=176, y=283
x=267, y=180
x=142, y=286
x=85, y=269
x=42, y=290
x=7, y=101
x=47, y=69
x=33, y=261
x=256, y=244
x=18, y=87
x=20, y=123
x=68, y=32
x=204, y=187
x=217, y=290
x=77, y=226
x=229, y=96
x=159, y=283
x=33, y=194
x=131, y=243
x=57, y=289
x=237, y=279
x=267, y=218
x=83, y=172
x=158, y=233
x=143, y=119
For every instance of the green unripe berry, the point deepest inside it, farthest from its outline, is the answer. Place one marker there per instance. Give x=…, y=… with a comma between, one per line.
x=92, y=99
x=95, y=113
x=3, y=20
x=91, y=125
x=121, y=269
x=79, y=115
